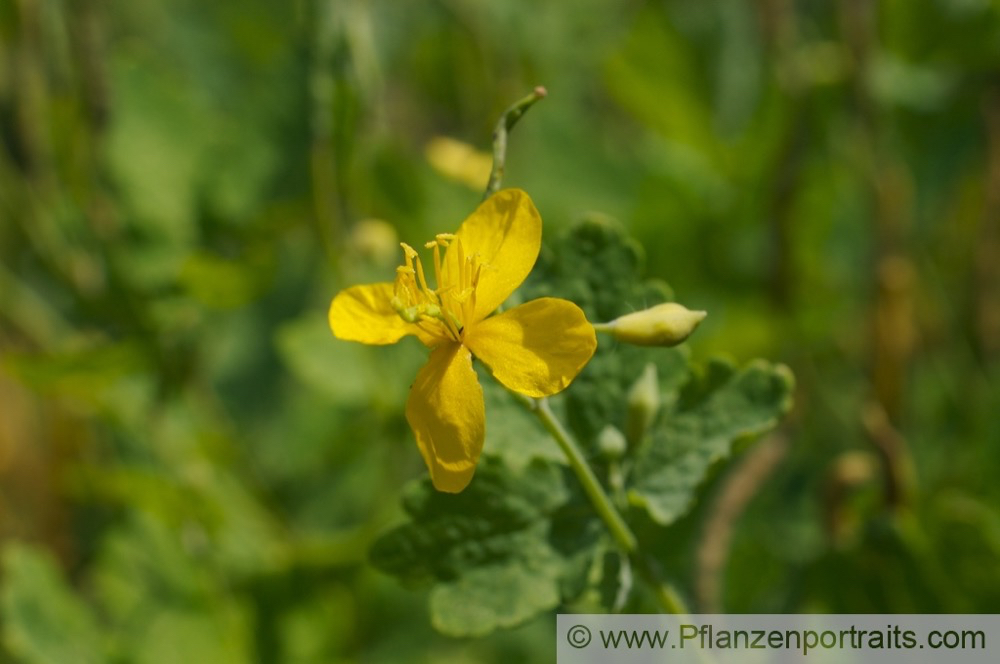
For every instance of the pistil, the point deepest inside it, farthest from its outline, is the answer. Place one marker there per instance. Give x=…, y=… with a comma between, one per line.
x=416, y=302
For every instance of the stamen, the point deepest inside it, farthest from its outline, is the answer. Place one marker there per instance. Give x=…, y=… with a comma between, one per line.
x=423, y=279
x=475, y=284
x=437, y=266
x=400, y=282
x=479, y=269
x=452, y=324
x=461, y=266
x=447, y=308
x=428, y=326
x=466, y=312
x=408, y=255
x=470, y=278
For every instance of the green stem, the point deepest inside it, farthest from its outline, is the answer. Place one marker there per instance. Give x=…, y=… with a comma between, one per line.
x=504, y=125
x=622, y=534
x=665, y=593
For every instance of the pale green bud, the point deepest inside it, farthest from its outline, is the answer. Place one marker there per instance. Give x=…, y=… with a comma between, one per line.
x=374, y=239
x=611, y=442
x=665, y=324
x=643, y=405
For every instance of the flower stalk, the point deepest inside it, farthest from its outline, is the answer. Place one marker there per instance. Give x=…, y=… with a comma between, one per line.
x=599, y=498
x=620, y=531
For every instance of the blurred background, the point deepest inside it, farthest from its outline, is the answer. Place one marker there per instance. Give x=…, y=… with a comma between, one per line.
x=187, y=457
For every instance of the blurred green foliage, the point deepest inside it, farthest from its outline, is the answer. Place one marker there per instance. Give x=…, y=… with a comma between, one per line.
x=188, y=458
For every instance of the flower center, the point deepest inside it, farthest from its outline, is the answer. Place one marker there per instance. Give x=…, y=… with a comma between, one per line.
x=443, y=311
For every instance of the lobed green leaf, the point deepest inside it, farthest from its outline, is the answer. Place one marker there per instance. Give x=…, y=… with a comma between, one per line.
x=490, y=551
x=712, y=412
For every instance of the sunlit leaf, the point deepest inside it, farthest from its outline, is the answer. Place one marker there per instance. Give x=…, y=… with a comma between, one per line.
x=488, y=551
x=700, y=431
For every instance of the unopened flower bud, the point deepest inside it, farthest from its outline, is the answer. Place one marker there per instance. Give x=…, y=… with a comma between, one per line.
x=611, y=443
x=665, y=324
x=643, y=405
x=374, y=239
x=459, y=161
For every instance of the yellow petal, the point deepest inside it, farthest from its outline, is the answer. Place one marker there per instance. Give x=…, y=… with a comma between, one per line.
x=446, y=411
x=365, y=314
x=536, y=348
x=506, y=232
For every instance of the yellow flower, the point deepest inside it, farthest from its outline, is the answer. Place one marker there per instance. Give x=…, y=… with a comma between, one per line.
x=535, y=349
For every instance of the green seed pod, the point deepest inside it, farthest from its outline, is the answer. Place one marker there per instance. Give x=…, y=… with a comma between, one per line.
x=665, y=324
x=643, y=405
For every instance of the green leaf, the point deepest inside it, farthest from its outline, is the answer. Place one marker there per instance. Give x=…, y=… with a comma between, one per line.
x=597, y=266
x=488, y=551
x=713, y=412
x=220, y=634
x=656, y=76
x=142, y=565
x=610, y=286
x=349, y=373
x=174, y=152
x=43, y=620
x=512, y=432
x=502, y=594
x=221, y=283
x=154, y=145
x=598, y=396
x=157, y=583
x=103, y=378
